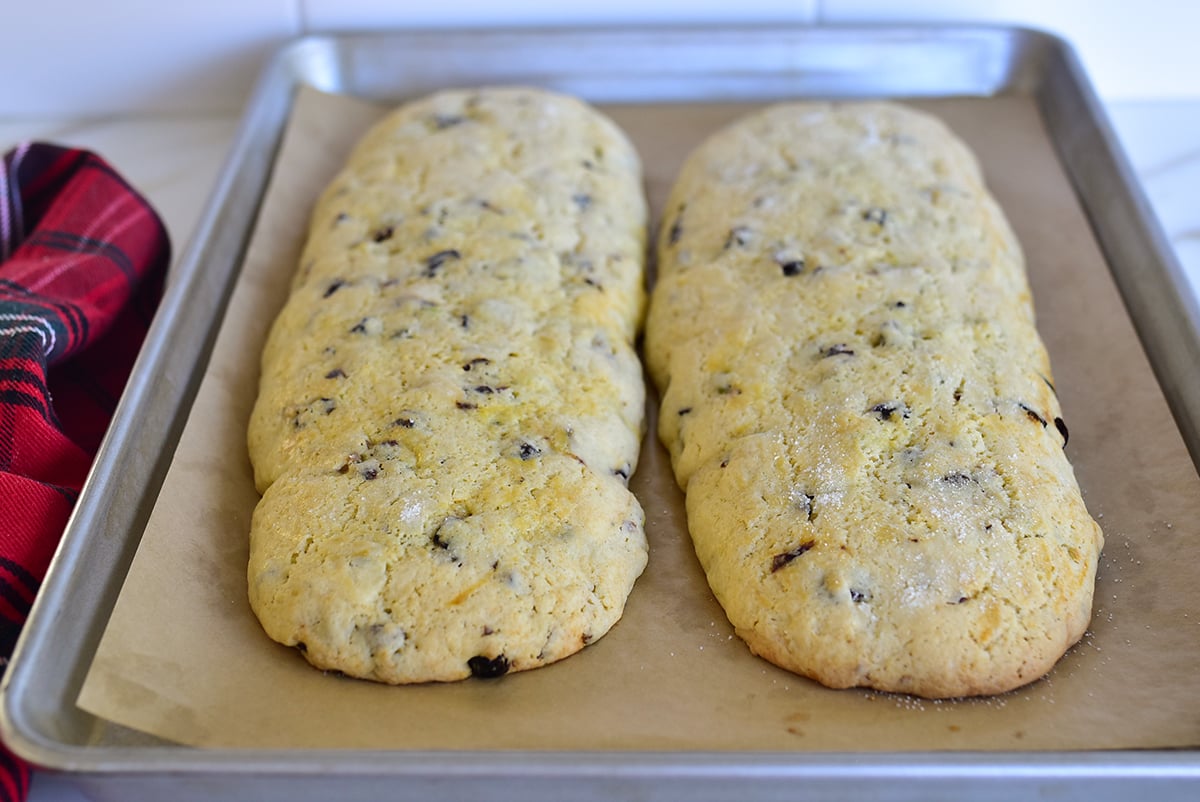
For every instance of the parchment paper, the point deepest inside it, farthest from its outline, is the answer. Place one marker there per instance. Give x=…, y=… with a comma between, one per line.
x=184, y=658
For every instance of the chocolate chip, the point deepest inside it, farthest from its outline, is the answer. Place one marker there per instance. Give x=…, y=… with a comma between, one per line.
x=434, y=262
x=336, y=373
x=301, y=646
x=528, y=451
x=806, y=506
x=1032, y=414
x=738, y=235
x=793, y=268
x=841, y=349
x=484, y=389
x=436, y=537
x=859, y=596
x=1061, y=425
x=405, y=423
x=780, y=560
x=488, y=667
x=957, y=479
x=875, y=215
x=360, y=327
x=886, y=410
x=622, y=472
x=676, y=232
x=479, y=360
x=383, y=234
x=336, y=285
x=444, y=121
x=685, y=411
x=441, y=543
x=369, y=473
x=464, y=405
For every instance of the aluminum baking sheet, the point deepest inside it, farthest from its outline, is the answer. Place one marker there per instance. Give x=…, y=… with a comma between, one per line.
x=607, y=67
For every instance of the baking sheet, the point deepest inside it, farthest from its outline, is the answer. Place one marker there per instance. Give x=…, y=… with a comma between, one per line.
x=183, y=657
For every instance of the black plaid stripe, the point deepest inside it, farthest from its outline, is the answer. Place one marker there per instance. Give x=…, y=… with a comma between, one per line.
x=67, y=321
x=77, y=243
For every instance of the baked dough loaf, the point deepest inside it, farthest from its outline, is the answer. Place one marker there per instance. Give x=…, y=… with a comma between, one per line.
x=860, y=409
x=450, y=404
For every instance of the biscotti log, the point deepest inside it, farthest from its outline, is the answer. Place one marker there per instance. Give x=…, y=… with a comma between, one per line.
x=860, y=410
x=450, y=404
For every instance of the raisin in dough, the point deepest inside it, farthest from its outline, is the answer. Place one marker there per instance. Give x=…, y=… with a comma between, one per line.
x=450, y=404
x=860, y=410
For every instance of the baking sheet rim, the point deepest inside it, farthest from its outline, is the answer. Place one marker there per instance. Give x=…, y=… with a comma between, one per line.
x=993, y=758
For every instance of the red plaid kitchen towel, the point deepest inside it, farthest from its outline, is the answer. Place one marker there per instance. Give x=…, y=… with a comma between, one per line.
x=82, y=261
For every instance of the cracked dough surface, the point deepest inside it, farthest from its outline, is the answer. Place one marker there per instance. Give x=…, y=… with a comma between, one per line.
x=450, y=405
x=860, y=410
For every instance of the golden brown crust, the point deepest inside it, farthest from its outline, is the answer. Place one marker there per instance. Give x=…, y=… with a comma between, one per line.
x=859, y=407
x=450, y=404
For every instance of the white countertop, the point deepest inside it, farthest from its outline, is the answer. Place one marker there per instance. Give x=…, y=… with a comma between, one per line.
x=175, y=161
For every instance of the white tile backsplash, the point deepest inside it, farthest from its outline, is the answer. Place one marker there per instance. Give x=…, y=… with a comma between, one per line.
x=1142, y=50
x=85, y=59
